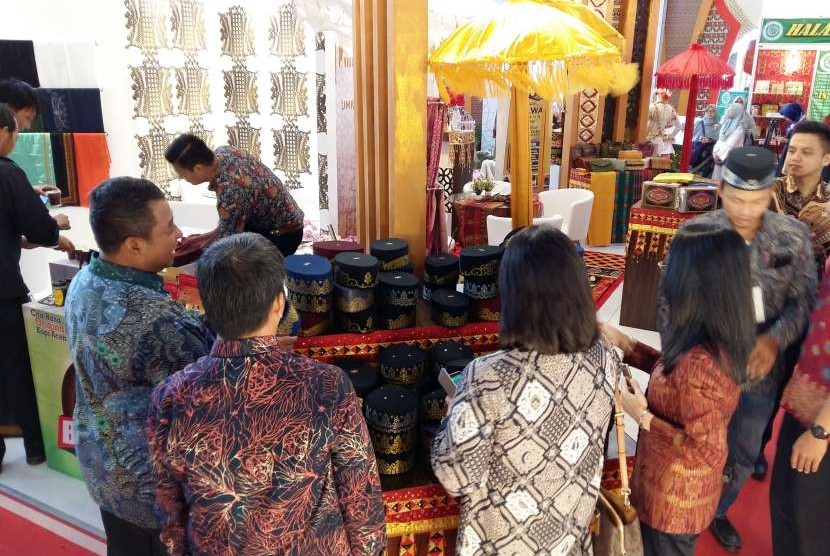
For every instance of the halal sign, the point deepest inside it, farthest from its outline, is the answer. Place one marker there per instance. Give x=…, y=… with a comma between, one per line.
x=773, y=30
x=824, y=64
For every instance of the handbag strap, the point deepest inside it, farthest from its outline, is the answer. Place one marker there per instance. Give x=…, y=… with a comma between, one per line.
x=619, y=421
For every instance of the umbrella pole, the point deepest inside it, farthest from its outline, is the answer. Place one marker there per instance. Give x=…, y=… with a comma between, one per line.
x=521, y=204
x=686, y=152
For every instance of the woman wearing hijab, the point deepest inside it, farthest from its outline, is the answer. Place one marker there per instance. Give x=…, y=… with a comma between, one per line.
x=706, y=134
x=792, y=113
x=731, y=135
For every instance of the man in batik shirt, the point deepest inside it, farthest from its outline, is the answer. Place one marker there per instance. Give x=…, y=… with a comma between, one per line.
x=258, y=450
x=784, y=293
x=125, y=336
x=249, y=197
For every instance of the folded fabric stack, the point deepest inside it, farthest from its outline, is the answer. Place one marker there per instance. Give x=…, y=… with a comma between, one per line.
x=480, y=267
x=310, y=286
x=440, y=273
x=355, y=281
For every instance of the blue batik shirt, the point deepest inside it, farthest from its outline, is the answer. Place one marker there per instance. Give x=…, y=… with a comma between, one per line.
x=126, y=335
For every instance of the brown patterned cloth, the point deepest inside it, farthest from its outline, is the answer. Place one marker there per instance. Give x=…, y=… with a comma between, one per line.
x=814, y=211
x=472, y=217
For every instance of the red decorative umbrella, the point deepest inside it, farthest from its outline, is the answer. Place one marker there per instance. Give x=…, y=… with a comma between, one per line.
x=693, y=69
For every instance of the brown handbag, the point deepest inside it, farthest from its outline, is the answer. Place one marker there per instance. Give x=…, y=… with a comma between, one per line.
x=616, y=528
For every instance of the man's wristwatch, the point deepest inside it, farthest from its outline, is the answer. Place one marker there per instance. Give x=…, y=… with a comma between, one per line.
x=818, y=431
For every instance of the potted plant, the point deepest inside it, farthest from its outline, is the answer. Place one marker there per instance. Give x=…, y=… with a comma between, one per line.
x=482, y=187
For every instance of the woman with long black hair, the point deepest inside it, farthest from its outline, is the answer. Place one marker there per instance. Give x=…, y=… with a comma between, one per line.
x=707, y=335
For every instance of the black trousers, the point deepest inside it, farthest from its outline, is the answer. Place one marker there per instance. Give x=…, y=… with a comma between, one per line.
x=287, y=243
x=791, y=357
x=127, y=539
x=17, y=388
x=657, y=543
x=798, y=502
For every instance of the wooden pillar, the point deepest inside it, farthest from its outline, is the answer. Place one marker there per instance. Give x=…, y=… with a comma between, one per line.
x=521, y=197
x=649, y=66
x=390, y=105
x=628, y=20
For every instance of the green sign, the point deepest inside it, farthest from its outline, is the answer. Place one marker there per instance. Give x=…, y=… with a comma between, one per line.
x=820, y=97
x=795, y=31
x=49, y=353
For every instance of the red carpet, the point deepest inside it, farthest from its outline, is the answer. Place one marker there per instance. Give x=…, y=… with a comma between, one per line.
x=21, y=537
x=749, y=515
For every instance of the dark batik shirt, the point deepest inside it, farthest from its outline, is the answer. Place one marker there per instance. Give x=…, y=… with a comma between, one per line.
x=814, y=211
x=783, y=265
x=250, y=198
x=125, y=336
x=261, y=451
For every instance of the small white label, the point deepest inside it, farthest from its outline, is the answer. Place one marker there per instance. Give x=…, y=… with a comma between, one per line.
x=758, y=303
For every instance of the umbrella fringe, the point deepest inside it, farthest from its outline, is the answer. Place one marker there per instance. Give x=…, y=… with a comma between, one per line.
x=550, y=80
x=703, y=81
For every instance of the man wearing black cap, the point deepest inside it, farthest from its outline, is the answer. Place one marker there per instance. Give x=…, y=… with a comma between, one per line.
x=783, y=292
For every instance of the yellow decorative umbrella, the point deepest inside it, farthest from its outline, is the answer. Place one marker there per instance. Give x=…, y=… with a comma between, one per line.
x=553, y=48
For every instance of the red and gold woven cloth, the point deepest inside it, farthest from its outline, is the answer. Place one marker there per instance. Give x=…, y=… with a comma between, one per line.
x=472, y=217
x=650, y=231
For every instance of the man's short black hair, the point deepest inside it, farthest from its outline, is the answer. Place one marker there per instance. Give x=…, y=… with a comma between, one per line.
x=18, y=94
x=120, y=208
x=819, y=129
x=7, y=120
x=187, y=151
x=239, y=278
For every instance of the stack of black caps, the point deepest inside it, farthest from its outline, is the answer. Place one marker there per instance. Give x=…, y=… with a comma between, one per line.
x=355, y=276
x=393, y=254
x=440, y=272
x=433, y=407
x=480, y=268
x=310, y=286
x=444, y=353
x=403, y=365
x=398, y=295
x=392, y=418
x=364, y=376
x=450, y=308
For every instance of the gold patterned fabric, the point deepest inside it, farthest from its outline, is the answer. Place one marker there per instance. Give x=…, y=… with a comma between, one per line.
x=236, y=33
x=245, y=137
x=192, y=88
x=188, y=24
x=152, y=146
x=286, y=33
x=152, y=90
x=289, y=92
x=292, y=154
x=145, y=23
x=240, y=90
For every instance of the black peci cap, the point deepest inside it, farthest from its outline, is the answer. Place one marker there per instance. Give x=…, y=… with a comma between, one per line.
x=750, y=168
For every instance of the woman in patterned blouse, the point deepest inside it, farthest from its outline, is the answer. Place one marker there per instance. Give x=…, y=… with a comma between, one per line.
x=522, y=445
x=693, y=390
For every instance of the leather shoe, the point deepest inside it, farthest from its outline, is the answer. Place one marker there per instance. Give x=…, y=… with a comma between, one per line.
x=761, y=468
x=35, y=460
x=726, y=534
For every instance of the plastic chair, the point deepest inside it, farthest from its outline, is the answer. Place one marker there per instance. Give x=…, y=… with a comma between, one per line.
x=574, y=205
x=499, y=226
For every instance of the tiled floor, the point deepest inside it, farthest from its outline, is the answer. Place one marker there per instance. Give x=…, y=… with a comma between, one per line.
x=67, y=498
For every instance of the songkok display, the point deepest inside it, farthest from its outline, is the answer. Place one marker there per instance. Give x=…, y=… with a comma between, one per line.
x=403, y=364
x=392, y=417
x=353, y=300
x=457, y=366
x=399, y=289
x=434, y=406
x=309, y=283
x=487, y=310
x=393, y=253
x=356, y=270
x=391, y=317
x=481, y=288
x=361, y=322
x=443, y=353
x=481, y=261
x=441, y=270
x=450, y=308
x=330, y=249
x=750, y=168
x=314, y=324
x=363, y=375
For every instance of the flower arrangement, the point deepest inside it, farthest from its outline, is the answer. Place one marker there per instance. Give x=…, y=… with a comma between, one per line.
x=482, y=185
